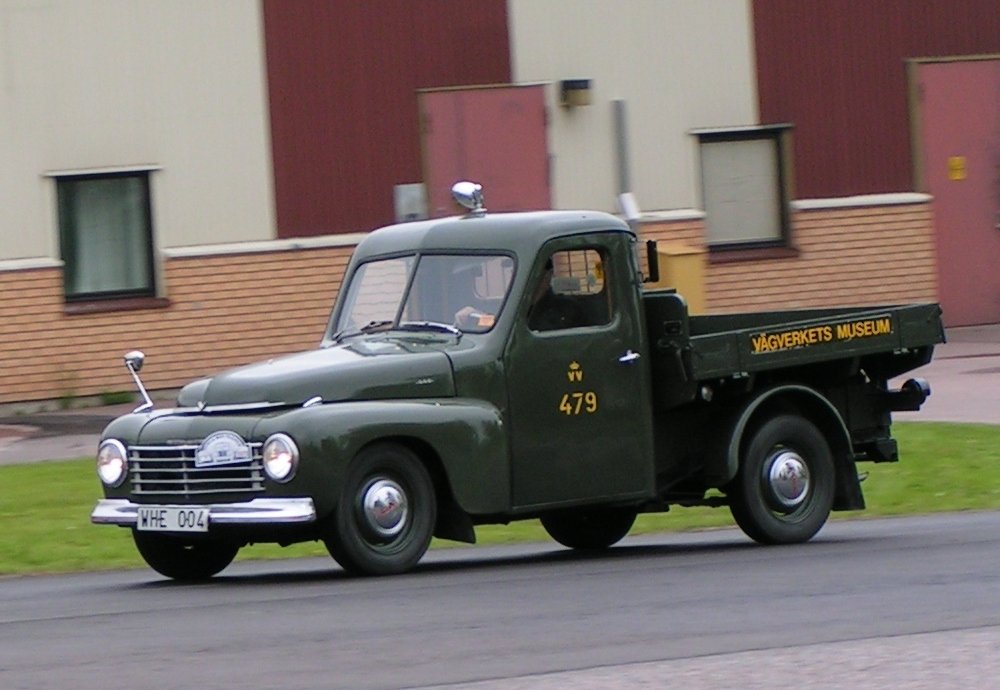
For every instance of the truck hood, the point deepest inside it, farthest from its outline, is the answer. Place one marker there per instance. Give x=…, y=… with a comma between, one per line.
x=363, y=370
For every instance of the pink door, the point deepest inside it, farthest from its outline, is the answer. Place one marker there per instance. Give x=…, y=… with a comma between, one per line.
x=492, y=135
x=959, y=114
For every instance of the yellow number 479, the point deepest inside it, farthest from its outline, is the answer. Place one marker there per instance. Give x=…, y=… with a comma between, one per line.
x=578, y=402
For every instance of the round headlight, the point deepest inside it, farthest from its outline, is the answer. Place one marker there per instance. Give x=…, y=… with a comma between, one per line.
x=281, y=457
x=112, y=462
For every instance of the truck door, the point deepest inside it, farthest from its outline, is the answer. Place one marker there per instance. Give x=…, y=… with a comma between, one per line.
x=578, y=383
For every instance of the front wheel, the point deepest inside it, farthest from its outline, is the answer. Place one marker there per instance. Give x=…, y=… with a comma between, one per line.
x=783, y=491
x=182, y=560
x=385, y=517
x=589, y=529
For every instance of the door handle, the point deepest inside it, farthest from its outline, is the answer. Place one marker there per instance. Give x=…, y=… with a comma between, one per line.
x=628, y=357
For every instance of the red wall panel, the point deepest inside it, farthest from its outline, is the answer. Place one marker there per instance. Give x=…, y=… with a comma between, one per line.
x=836, y=70
x=342, y=81
x=495, y=136
x=960, y=113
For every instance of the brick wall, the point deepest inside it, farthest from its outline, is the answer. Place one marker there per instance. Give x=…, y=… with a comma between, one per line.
x=845, y=256
x=232, y=309
x=224, y=310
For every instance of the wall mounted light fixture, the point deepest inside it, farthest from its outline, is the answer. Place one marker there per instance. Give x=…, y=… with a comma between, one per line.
x=574, y=92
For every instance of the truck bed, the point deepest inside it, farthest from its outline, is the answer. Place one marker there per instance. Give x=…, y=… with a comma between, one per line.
x=746, y=343
x=726, y=345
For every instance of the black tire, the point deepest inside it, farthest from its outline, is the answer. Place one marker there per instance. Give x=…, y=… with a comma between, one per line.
x=385, y=517
x=184, y=560
x=589, y=529
x=784, y=489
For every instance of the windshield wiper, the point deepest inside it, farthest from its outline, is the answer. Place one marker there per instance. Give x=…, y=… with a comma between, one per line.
x=370, y=327
x=429, y=326
x=380, y=326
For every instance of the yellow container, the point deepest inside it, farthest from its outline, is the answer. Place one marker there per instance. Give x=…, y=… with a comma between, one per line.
x=682, y=267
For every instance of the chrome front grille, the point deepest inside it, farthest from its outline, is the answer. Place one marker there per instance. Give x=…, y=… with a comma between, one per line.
x=169, y=471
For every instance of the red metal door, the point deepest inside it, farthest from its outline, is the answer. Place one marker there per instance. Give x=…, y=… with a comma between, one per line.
x=959, y=112
x=492, y=135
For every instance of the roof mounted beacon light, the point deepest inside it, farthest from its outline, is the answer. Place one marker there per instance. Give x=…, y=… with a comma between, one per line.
x=469, y=195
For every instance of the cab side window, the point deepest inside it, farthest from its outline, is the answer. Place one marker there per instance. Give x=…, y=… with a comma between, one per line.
x=572, y=292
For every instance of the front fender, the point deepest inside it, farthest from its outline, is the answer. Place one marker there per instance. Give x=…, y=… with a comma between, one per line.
x=466, y=434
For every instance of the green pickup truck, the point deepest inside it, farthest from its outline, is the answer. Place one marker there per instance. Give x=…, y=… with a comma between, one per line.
x=496, y=367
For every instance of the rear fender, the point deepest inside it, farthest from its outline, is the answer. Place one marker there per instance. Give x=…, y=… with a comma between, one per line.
x=812, y=405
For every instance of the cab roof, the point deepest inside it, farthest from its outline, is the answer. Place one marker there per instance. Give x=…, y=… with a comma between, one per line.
x=521, y=233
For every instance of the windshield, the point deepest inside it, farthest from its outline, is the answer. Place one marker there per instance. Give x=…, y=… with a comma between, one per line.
x=433, y=291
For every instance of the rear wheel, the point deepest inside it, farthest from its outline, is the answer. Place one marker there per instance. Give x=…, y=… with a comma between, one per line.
x=184, y=560
x=385, y=517
x=589, y=529
x=784, y=489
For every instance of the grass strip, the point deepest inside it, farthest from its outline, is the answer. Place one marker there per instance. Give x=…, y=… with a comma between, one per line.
x=45, y=507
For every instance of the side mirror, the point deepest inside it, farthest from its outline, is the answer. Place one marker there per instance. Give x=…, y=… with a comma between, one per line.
x=653, y=261
x=134, y=360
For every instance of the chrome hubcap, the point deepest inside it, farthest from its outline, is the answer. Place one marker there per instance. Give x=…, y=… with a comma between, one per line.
x=384, y=508
x=788, y=479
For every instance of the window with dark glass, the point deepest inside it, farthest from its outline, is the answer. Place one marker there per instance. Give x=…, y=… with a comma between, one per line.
x=106, y=235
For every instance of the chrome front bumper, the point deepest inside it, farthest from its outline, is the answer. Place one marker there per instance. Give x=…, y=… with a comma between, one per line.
x=259, y=511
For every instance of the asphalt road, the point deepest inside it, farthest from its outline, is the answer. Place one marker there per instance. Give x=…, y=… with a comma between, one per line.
x=909, y=602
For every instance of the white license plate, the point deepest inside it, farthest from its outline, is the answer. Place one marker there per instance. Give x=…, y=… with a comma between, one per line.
x=172, y=519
